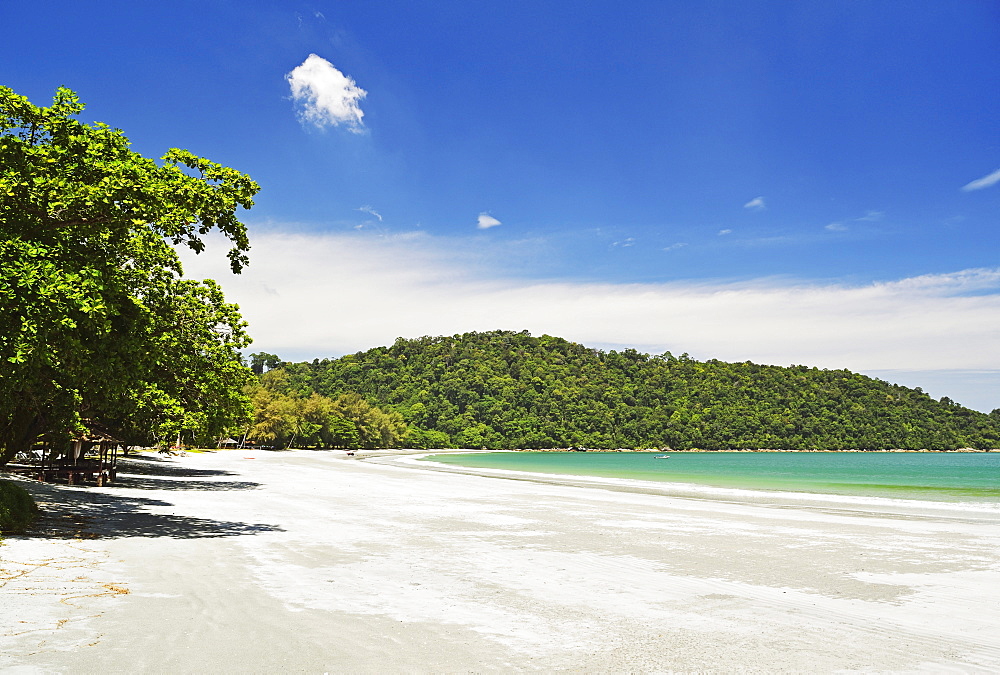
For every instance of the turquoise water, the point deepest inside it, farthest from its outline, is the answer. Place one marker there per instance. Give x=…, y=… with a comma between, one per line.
x=952, y=477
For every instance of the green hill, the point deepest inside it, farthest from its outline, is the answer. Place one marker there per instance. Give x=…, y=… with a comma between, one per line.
x=505, y=389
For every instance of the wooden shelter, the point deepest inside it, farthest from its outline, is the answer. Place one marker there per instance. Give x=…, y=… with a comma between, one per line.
x=93, y=456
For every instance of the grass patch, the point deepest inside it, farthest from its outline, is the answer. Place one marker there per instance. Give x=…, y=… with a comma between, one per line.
x=17, y=509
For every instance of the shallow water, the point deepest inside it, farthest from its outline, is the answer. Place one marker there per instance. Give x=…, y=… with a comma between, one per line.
x=949, y=477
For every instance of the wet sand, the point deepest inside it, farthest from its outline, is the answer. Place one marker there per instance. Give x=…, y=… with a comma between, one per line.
x=314, y=562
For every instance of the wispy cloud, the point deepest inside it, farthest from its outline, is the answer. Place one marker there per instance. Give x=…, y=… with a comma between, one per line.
x=725, y=232
x=755, y=204
x=836, y=227
x=872, y=216
x=625, y=243
x=674, y=247
x=424, y=286
x=984, y=182
x=486, y=221
x=370, y=211
x=327, y=97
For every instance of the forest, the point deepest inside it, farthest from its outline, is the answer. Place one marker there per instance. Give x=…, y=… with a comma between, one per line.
x=505, y=389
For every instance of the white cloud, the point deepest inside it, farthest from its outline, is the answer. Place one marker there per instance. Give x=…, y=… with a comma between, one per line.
x=486, y=221
x=412, y=285
x=984, y=182
x=625, y=243
x=836, y=227
x=755, y=204
x=674, y=247
x=873, y=216
x=725, y=232
x=327, y=96
x=370, y=211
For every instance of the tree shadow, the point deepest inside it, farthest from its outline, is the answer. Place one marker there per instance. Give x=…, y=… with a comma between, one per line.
x=149, y=465
x=85, y=513
x=140, y=482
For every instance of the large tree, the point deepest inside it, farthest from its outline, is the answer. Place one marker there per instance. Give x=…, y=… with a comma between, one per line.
x=96, y=319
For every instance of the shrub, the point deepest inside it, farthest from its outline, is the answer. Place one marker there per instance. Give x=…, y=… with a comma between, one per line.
x=17, y=509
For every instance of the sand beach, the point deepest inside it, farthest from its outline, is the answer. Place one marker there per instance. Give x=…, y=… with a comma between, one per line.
x=315, y=562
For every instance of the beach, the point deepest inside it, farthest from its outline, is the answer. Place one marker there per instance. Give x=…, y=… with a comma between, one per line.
x=305, y=561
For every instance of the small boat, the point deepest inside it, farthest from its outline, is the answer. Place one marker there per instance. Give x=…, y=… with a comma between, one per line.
x=662, y=457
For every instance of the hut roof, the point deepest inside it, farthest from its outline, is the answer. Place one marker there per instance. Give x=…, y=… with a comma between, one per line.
x=98, y=432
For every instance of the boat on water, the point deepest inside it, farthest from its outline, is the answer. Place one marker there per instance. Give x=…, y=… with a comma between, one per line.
x=662, y=457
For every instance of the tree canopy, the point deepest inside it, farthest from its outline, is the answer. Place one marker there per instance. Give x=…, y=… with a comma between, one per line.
x=96, y=318
x=505, y=389
x=283, y=416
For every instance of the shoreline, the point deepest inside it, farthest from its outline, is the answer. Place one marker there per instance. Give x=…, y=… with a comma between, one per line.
x=314, y=562
x=698, y=491
x=806, y=494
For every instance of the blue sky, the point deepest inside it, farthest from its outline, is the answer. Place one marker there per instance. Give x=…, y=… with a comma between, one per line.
x=773, y=181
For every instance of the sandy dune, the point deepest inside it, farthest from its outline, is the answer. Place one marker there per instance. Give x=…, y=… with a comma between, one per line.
x=312, y=562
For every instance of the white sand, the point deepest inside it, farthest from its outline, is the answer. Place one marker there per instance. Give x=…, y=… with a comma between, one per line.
x=311, y=562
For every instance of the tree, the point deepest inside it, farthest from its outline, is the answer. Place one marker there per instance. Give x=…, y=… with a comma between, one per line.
x=276, y=417
x=375, y=428
x=96, y=319
x=262, y=361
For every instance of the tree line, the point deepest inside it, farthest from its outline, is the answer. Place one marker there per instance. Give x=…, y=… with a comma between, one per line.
x=285, y=418
x=505, y=389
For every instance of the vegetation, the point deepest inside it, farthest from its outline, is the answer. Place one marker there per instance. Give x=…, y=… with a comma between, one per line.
x=283, y=417
x=96, y=319
x=511, y=390
x=17, y=509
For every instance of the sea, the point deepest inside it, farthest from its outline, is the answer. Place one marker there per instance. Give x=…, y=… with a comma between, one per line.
x=927, y=476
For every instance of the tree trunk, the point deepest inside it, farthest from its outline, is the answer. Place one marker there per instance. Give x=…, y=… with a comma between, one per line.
x=18, y=433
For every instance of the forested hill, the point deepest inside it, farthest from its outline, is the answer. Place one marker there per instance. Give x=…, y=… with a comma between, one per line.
x=511, y=390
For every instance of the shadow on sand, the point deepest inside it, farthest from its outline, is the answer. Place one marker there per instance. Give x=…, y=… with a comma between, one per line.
x=152, y=465
x=152, y=483
x=89, y=513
